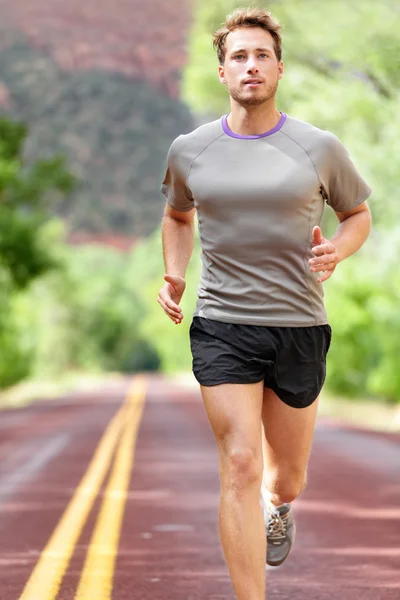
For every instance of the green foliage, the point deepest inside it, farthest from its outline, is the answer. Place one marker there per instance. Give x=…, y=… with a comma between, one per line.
x=362, y=301
x=15, y=355
x=25, y=196
x=114, y=131
x=87, y=316
x=61, y=307
x=25, y=255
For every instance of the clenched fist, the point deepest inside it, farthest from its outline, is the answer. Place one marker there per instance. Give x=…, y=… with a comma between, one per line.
x=325, y=253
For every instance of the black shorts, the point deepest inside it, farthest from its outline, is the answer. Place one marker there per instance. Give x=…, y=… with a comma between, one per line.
x=290, y=360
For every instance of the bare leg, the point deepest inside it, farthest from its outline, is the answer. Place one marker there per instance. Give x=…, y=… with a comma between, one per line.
x=234, y=411
x=286, y=446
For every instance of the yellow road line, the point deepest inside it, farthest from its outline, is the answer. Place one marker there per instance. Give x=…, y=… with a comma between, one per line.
x=46, y=578
x=98, y=572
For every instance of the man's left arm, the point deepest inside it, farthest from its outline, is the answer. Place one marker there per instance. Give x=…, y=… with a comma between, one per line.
x=352, y=232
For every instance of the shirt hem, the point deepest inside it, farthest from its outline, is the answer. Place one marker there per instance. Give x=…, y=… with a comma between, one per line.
x=265, y=322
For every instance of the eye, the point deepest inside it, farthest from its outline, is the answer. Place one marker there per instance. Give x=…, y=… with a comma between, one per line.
x=264, y=54
x=238, y=56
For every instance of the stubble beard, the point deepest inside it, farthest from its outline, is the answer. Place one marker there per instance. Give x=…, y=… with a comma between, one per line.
x=245, y=100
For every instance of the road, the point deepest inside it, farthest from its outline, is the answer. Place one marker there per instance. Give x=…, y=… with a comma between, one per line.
x=114, y=494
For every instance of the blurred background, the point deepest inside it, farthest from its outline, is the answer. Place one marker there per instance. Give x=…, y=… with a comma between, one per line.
x=91, y=95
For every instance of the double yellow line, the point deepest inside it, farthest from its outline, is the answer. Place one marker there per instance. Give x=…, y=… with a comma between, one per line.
x=97, y=575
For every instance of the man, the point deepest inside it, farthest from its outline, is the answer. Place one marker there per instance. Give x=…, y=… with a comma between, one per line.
x=258, y=180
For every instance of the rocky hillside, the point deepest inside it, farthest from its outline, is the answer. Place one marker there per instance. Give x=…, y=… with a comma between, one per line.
x=98, y=81
x=144, y=40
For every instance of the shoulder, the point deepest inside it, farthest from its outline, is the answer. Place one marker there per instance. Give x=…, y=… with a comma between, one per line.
x=319, y=144
x=191, y=144
x=305, y=133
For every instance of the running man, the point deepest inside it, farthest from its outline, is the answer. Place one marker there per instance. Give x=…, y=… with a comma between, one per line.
x=259, y=180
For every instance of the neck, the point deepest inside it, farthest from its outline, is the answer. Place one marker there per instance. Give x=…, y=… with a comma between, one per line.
x=252, y=120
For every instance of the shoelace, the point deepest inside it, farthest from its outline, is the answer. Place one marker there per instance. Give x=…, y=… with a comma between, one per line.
x=277, y=526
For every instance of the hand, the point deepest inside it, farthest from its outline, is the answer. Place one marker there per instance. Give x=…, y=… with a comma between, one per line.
x=326, y=253
x=170, y=295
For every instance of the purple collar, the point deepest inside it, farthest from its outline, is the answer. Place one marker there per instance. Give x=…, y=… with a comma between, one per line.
x=228, y=131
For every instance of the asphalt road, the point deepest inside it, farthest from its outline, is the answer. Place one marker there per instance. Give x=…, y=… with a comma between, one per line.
x=114, y=494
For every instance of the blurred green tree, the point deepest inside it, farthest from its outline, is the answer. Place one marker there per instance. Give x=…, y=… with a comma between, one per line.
x=25, y=198
x=87, y=316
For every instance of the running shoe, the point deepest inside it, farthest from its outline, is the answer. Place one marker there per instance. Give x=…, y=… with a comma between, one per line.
x=281, y=532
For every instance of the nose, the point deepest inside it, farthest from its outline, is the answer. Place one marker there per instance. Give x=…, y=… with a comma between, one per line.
x=252, y=65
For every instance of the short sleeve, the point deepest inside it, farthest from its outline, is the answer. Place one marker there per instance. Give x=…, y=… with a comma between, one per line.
x=174, y=185
x=344, y=187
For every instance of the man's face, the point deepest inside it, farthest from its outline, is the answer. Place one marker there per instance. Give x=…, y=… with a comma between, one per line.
x=251, y=71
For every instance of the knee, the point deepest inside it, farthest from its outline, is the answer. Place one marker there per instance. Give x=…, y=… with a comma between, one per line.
x=240, y=469
x=287, y=484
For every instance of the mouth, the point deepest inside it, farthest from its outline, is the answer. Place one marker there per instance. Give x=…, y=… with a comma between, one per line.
x=252, y=82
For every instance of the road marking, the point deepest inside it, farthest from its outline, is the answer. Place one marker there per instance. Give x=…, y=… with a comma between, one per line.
x=46, y=578
x=98, y=572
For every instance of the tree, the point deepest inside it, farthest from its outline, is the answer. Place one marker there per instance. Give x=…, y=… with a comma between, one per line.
x=25, y=199
x=25, y=254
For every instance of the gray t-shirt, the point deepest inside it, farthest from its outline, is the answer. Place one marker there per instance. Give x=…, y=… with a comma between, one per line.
x=257, y=200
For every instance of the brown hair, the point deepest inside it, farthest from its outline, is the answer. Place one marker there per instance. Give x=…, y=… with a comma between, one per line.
x=247, y=17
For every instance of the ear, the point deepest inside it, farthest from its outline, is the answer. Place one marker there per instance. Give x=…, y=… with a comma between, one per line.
x=221, y=74
x=280, y=70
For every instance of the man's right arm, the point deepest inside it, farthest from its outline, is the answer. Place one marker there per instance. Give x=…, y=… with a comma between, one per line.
x=177, y=242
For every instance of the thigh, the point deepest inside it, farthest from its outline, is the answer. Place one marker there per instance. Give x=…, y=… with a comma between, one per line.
x=288, y=434
x=234, y=412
